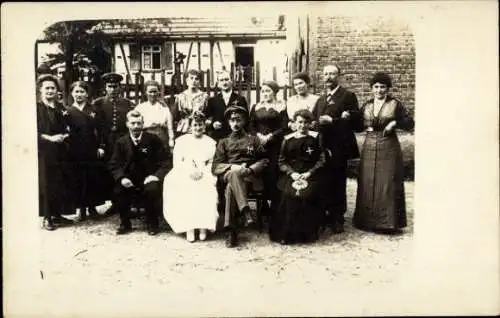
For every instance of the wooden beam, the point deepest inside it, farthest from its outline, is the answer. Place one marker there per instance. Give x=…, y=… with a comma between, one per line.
x=211, y=62
x=307, y=43
x=189, y=55
x=199, y=55
x=124, y=58
x=220, y=55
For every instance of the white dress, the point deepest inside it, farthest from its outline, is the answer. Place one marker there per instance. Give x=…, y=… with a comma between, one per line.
x=190, y=204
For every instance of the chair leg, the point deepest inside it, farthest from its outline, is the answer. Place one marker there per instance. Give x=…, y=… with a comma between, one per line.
x=259, y=204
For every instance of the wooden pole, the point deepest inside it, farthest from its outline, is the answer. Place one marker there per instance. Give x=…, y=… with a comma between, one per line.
x=307, y=43
x=136, y=92
x=199, y=55
x=189, y=55
x=249, y=93
x=162, y=84
x=220, y=55
x=127, y=85
x=125, y=58
x=211, y=62
x=274, y=73
x=209, y=82
x=257, y=82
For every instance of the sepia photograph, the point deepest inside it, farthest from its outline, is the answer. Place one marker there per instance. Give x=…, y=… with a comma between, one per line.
x=228, y=162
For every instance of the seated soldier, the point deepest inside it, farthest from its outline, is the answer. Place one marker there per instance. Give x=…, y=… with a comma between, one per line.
x=238, y=160
x=138, y=165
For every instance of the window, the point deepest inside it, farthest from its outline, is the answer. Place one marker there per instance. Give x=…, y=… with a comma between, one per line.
x=151, y=57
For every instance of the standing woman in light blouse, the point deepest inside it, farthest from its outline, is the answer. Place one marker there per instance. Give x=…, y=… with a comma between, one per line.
x=269, y=122
x=192, y=100
x=380, y=202
x=303, y=99
x=156, y=114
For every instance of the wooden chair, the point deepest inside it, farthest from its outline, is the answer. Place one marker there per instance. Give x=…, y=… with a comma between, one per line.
x=254, y=196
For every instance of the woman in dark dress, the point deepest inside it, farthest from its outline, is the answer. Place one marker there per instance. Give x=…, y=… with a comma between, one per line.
x=85, y=153
x=380, y=202
x=298, y=217
x=269, y=122
x=53, y=172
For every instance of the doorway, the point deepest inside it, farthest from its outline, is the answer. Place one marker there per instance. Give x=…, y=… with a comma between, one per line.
x=244, y=63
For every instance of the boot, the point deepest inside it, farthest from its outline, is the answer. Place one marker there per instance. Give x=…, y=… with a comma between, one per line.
x=48, y=224
x=190, y=236
x=231, y=238
x=82, y=215
x=93, y=215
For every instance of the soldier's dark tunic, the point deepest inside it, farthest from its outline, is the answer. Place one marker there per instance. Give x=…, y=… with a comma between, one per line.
x=238, y=148
x=112, y=117
x=53, y=169
x=88, y=169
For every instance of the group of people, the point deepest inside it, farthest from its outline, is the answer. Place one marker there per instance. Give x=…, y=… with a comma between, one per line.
x=196, y=163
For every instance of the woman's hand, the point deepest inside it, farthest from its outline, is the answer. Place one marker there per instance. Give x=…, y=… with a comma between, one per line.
x=58, y=138
x=305, y=175
x=100, y=153
x=295, y=176
x=196, y=175
x=389, y=129
x=325, y=119
x=171, y=143
x=217, y=125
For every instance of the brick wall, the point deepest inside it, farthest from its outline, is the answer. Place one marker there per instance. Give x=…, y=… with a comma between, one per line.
x=362, y=46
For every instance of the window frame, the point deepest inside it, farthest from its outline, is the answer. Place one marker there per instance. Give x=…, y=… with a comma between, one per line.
x=149, y=49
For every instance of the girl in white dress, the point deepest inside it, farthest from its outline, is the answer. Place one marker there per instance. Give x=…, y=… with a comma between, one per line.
x=189, y=193
x=303, y=99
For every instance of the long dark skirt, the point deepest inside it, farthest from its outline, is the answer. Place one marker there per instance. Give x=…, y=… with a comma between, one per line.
x=89, y=183
x=298, y=216
x=55, y=188
x=380, y=202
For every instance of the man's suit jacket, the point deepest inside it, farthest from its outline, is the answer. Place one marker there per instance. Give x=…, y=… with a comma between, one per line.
x=215, y=112
x=149, y=157
x=338, y=136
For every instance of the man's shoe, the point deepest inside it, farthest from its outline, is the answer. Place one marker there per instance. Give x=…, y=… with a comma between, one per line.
x=49, y=225
x=153, y=231
x=337, y=228
x=231, y=239
x=123, y=229
x=93, y=214
x=60, y=220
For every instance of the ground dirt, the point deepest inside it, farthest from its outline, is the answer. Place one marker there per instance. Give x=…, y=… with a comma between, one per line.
x=88, y=270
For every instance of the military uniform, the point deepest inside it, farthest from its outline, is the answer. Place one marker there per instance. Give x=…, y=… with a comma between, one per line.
x=239, y=148
x=112, y=117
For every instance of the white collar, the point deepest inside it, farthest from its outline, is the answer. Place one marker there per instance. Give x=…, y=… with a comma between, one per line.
x=136, y=140
x=226, y=94
x=333, y=91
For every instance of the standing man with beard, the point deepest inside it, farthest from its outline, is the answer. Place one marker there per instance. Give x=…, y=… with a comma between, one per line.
x=112, y=112
x=217, y=125
x=336, y=114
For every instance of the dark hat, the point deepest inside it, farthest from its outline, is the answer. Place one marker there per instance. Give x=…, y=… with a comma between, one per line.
x=303, y=76
x=235, y=109
x=382, y=78
x=112, y=78
x=48, y=77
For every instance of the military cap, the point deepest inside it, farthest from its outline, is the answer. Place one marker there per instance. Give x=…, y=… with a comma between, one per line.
x=112, y=77
x=235, y=109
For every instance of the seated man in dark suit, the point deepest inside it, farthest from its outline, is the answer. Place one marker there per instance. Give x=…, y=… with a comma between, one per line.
x=239, y=159
x=138, y=164
x=217, y=125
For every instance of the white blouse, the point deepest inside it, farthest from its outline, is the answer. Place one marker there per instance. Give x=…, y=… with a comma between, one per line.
x=157, y=115
x=296, y=102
